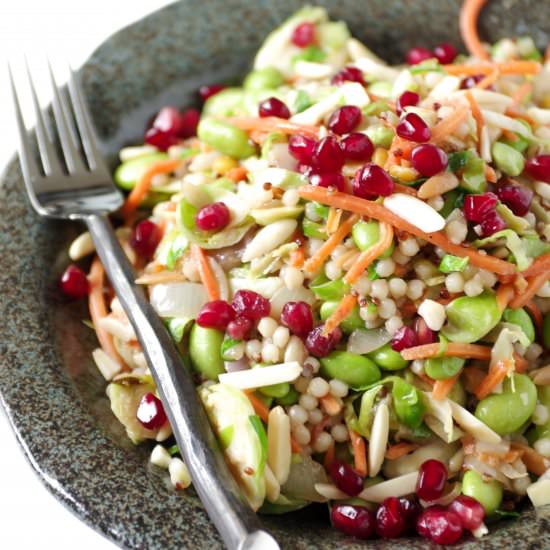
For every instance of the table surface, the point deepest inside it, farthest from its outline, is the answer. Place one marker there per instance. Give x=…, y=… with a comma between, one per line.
x=30, y=516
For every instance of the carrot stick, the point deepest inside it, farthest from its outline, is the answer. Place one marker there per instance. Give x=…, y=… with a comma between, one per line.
x=330, y=404
x=522, y=92
x=407, y=189
x=534, y=462
x=536, y=314
x=329, y=245
x=540, y=264
x=297, y=257
x=144, y=183
x=369, y=255
x=442, y=388
x=379, y=212
x=329, y=456
x=521, y=364
x=343, y=310
x=333, y=220
x=503, y=296
x=446, y=127
x=509, y=67
x=489, y=173
x=399, y=149
x=478, y=116
x=494, y=377
x=272, y=124
x=469, y=13
x=454, y=349
x=400, y=449
x=205, y=273
x=237, y=174
x=359, y=453
x=533, y=286
x=489, y=80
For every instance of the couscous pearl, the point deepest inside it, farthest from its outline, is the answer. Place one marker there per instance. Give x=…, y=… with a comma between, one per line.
x=457, y=231
x=469, y=272
x=436, y=202
x=415, y=289
x=540, y=415
x=542, y=446
x=292, y=277
x=270, y=353
x=313, y=245
x=318, y=387
x=310, y=212
x=339, y=433
x=521, y=484
x=399, y=258
x=374, y=324
x=398, y=287
x=301, y=434
x=338, y=388
x=322, y=442
x=409, y=247
x=379, y=289
x=315, y=416
x=338, y=251
x=385, y=267
x=487, y=279
x=393, y=324
x=267, y=326
x=313, y=362
x=291, y=197
x=473, y=287
x=301, y=384
x=281, y=337
x=295, y=350
x=387, y=308
x=362, y=285
x=309, y=402
x=253, y=349
x=417, y=366
x=297, y=414
x=332, y=271
x=368, y=313
x=424, y=269
x=433, y=313
x=454, y=282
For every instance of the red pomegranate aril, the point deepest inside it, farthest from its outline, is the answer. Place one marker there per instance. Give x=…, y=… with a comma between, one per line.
x=298, y=318
x=372, y=181
x=471, y=81
x=432, y=478
x=216, y=314
x=476, y=207
x=417, y=55
x=469, y=510
x=145, y=238
x=334, y=180
x=345, y=119
x=356, y=521
x=439, y=525
x=213, y=217
x=74, y=283
x=346, y=478
x=251, y=305
x=240, y=328
x=319, y=345
x=410, y=511
x=539, y=168
x=189, y=122
x=445, y=53
x=168, y=119
x=206, y=92
x=516, y=197
x=404, y=338
x=406, y=99
x=424, y=334
x=160, y=139
x=428, y=159
x=303, y=35
x=390, y=522
x=357, y=147
x=492, y=223
x=349, y=74
x=301, y=148
x=150, y=413
x=169, y=125
x=413, y=128
x=273, y=107
x=328, y=155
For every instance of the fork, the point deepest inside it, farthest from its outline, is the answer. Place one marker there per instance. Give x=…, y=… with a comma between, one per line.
x=86, y=192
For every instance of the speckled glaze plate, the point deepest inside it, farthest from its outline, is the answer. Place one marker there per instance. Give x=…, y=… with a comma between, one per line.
x=49, y=386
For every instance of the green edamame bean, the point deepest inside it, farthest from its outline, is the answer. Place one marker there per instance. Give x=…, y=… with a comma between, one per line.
x=519, y=144
x=205, y=351
x=408, y=404
x=277, y=391
x=506, y=412
x=471, y=317
x=129, y=172
x=507, y=159
x=487, y=493
x=349, y=324
x=387, y=358
x=546, y=331
x=380, y=136
x=314, y=230
x=473, y=175
x=458, y=394
x=290, y=398
x=263, y=79
x=225, y=103
x=225, y=138
x=354, y=370
x=366, y=234
x=329, y=290
x=522, y=319
x=441, y=368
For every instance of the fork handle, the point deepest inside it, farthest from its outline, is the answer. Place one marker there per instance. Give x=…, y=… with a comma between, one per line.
x=237, y=524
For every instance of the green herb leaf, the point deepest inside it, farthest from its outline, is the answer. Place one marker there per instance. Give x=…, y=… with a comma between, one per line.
x=178, y=247
x=302, y=101
x=173, y=450
x=262, y=436
x=227, y=344
x=450, y=263
x=311, y=53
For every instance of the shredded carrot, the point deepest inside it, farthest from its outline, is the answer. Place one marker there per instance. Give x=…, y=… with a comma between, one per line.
x=205, y=272
x=399, y=149
x=509, y=135
x=453, y=349
x=536, y=314
x=379, y=212
x=469, y=13
x=237, y=174
x=509, y=67
x=521, y=364
x=345, y=307
x=489, y=173
x=540, y=264
x=330, y=404
x=298, y=256
x=489, y=80
x=442, y=388
x=359, y=453
x=400, y=449
x=161, y=277
x=142, y=186
x=503, y=296
x=318, y=428
x=346, y=257
x=330, y=244
x=369, y=255
x=522, y=92
x=512, y=113
x=478, y=116
x=329, y=456
x=472, y=377
x=333, y=220
x=534, y=462
x=446, y=127
x=272, y=124
x=406, y=189
x=494, y=377
x=533, y=286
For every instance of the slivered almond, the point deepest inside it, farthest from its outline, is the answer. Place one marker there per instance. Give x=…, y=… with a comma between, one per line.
x=437, y=185
x=379, y=438
x=272, y=486
x=279, y=453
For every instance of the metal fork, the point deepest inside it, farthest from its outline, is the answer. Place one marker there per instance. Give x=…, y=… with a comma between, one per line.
x=86, y=193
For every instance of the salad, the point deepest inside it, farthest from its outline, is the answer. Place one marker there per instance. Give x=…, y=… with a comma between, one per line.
x=354, y=259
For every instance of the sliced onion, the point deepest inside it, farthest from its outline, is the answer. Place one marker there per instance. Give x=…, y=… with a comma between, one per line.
x=235, y=366
x=363, y=341
x=178, y=299
x=284, y=295
x=221, y=278
x=445, y=499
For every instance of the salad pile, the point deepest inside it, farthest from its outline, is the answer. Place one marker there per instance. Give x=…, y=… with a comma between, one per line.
x=354, y=260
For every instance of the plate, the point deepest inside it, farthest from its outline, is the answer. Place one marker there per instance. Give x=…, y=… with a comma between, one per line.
x=53, y=395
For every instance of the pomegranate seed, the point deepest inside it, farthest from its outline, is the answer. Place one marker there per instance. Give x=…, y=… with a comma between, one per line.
x=301, y=148
x=429, y=160
x=410, y=511
x=251, y=305
x=356, y=521
x=216, y=314
x=417, y=55
x=240, y=328
x=159, y=139
x=424, y=334
x=320, y=345
x=145, y=238
x=406, y=99
x=471, y=81
x=207, y=92
x=351, y=74
x=328, y=155
x=432, y=478
x=298, y=318
x=539, y=167
x=413, y=128
x=150, y=413
x=440, y=525
x=170, y=125
x=74, y=283
x=476, y=207
x=445, y=53
x=329, y=179
x=303, y=35
x=357, y=147
x=469, y=510
x=189, y=122
x=345, y=119
x=390, y=522
x=491, y=223
x=371, y=181
x=273, y=107
x=213, y=217
x=346, y=478
x=168, y=120
x=516, y=197
x=404, y=338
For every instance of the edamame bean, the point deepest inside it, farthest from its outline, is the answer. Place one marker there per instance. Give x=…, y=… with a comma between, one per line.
x=325, y=289
x=314, y=230
x=228, y=102
x=473, y=175
x=387, y=358
x=407, y=403
x=277, y=391
x=205, y=351
x=366, y=234
x=128, y=173
x=225, y=138
x=355, y=370
x=507, y=159
x=506, y=412
x=519, y=144
x=522, y=319
x=441, y=368
x=263, y=79
x=546, y=331
x=290, y=398
x=458, y=394
x=487, y=493
x=380, y=136
x=349, y=324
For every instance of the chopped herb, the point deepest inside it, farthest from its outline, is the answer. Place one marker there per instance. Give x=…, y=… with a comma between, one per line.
x=173, y=450
x=506, y=514
x=371, y=272
x=450, y=263
x=457, y=161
